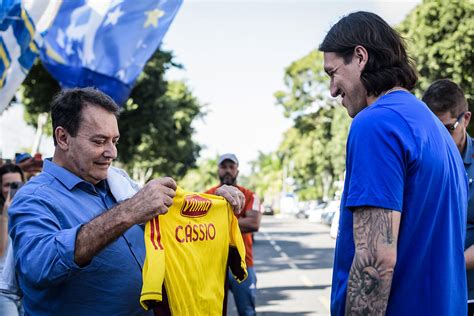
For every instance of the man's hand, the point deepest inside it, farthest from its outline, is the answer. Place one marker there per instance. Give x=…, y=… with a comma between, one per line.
x=233, y=195
x=152, y=200
x=7, y=203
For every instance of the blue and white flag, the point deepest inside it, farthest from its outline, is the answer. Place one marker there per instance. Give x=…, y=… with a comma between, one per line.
x=21, y=23
x=106, y=43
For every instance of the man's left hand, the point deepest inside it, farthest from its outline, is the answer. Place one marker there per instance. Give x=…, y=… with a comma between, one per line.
x=233, y=196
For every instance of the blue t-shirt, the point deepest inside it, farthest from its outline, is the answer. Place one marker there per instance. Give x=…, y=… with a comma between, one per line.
x=45, y=217
x=400, y=157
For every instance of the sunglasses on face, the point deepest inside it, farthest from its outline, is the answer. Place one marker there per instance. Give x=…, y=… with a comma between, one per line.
x=452, y=127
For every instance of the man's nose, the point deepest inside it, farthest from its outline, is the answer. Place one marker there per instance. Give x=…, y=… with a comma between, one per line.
x=110, y=151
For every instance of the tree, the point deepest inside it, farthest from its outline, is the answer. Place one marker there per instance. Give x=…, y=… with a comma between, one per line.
x=315, y=145
x=155, y=124
x=440, y=37
x=156, y=131
x=266, y=178
x=307, y=86
x=36, y=93
x=201, y=178
x=312, y=153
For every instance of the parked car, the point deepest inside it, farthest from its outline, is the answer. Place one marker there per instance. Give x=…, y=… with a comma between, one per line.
x=315, y=212
x=289, y=204
x=268, y=210
x=335, y=225
x=329, y=212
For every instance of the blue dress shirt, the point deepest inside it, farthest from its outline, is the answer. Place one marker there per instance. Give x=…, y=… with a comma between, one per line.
x=468, y=157
x=45, y=217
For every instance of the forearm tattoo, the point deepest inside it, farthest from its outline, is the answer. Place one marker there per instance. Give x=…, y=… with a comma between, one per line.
x=370, y=277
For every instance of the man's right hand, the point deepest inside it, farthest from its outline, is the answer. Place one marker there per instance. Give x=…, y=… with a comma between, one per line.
x=152, y=200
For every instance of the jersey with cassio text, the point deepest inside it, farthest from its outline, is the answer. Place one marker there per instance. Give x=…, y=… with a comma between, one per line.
x=187, y=251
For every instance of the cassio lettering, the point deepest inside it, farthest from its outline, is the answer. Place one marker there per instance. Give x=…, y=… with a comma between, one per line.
x=195, y=232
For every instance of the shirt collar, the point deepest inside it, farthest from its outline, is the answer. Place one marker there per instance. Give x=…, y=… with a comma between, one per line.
x=467, y=155
x=66, y=177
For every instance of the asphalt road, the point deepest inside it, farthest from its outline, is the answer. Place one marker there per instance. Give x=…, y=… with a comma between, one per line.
x=293, y=260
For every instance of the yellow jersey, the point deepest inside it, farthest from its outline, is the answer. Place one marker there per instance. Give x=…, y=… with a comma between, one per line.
x=187, y=252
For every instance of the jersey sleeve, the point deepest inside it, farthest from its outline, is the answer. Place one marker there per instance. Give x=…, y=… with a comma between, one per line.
x=236, y=249
x=154, y=266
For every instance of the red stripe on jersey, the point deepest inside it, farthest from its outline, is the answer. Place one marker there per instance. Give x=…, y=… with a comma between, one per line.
x=158, y=233
x=152, y=233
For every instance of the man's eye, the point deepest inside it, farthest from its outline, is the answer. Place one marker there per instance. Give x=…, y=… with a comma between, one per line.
x=99, y=142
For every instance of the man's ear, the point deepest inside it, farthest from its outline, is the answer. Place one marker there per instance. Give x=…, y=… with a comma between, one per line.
x=467, y=118
x=361, y=56
x=62, y=138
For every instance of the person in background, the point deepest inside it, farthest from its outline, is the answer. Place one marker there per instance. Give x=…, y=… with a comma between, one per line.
x=31, y=166
x=402, y=224
x=249, y=222
x=11, y=178
x=447, y=101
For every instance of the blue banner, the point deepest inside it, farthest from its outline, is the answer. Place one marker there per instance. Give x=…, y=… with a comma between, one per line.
x=105, y=44
x=18, y=42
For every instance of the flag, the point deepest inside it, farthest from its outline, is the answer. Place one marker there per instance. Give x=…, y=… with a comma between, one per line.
x=20, y=25
x=105, y=44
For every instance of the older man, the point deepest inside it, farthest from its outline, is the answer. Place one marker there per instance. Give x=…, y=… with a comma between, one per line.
x=249, y=222
x=76, y=250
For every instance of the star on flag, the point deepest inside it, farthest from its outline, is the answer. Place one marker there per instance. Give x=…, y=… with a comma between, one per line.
x=152, y=17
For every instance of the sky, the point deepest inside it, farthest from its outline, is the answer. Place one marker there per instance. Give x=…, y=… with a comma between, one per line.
x=234, y=55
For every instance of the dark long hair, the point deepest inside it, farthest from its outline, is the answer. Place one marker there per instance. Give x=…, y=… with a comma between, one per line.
x=388, y=64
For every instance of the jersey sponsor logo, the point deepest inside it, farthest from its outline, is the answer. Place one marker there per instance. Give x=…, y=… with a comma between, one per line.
x=195, y=232
x=195, y=206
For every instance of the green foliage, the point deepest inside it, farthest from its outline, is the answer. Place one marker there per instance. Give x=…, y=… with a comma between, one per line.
x=266, y=178
x=201, y=178
x=37, y=91
x=440, y=37
x=155, y=124
x=307, y=85
x=312, y=153
x=314, y=149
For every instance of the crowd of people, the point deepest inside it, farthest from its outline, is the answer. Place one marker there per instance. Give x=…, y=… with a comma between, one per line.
x=406, y=232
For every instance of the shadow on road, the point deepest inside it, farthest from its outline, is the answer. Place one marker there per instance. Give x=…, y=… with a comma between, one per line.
x=269, y=297
x=268, y=259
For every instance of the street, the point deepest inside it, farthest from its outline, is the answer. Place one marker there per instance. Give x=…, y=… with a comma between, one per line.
x=293, y=260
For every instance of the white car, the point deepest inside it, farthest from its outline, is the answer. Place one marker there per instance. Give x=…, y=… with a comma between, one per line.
x=329, y=212
x=315, y=212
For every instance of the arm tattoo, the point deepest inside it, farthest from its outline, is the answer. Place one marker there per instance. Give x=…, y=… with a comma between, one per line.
x=370, y=276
